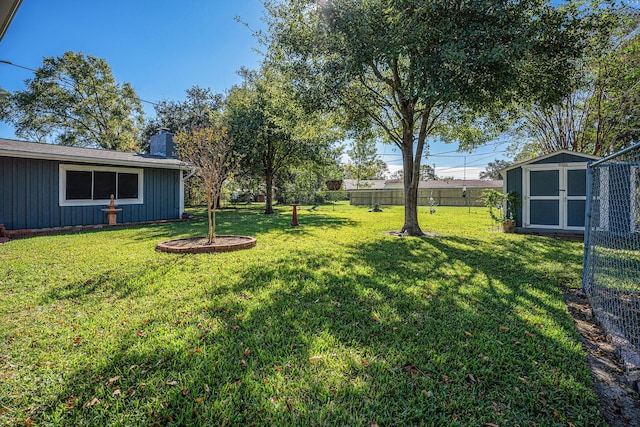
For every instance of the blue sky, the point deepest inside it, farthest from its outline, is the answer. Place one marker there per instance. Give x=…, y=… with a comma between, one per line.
x=163, y=48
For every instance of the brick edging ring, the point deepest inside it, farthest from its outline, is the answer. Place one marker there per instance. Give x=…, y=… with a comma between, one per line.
x=182, y=246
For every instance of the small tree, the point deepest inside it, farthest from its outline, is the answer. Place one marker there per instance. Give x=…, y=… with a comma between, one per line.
x=209, y=152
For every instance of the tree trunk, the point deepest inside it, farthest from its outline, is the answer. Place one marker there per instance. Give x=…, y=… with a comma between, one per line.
x=411, y=178
x=211, y=232
x=268, y=207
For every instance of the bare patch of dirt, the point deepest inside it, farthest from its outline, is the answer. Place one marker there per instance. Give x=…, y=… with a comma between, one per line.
x=399, y=234
x=619, y=404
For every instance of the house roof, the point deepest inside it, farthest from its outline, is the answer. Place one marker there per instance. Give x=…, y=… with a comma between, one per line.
x=546, y=156
x=8, y=8
x=395, y=184
x=34, y=150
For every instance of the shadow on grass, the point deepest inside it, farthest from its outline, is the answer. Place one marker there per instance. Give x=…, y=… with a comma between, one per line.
x=246, y=222
x=405, y=331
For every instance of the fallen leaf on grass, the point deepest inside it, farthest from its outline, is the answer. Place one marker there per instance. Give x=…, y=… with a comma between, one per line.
x=140, y=332
x=246, y=352
x=364, y=363
x=427, y=394
x=172, y=382
x=69, y=403
x=112, y=380
x=469, y=334
x=243, y=362
x=504, y=329
x=529, y=334
x=490, y=425
x=116, y=392
x=92, y=402
x=373, y=424
x=195, y=350
x=199, y=399
x=411, y=368
x=314, y=359
x=28, y=422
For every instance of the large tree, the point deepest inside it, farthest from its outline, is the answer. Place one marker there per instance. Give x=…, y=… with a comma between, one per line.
x=75, y=100
x=492, y=171
x=270, y=128
x=418, y=69
x=364, y=161
x=601, y=115
x=199, y=109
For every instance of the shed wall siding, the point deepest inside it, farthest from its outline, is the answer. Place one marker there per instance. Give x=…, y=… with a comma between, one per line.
x=514, y=184
x=29, y=197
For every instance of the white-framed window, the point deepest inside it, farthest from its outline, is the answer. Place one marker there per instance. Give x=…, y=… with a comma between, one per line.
x=93, y=185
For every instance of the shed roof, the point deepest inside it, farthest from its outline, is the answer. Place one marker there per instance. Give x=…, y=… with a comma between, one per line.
x=34, y=150
x=587, y=157
x=397, y=184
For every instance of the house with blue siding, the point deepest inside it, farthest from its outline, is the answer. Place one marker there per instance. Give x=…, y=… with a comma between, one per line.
x=47, y=186
x=552, y=190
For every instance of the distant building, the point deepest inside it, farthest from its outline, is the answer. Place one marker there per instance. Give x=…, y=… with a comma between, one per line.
x=455, y=192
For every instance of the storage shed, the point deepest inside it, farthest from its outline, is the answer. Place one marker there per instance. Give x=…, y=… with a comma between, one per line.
x=552, y=191
x=48, y=186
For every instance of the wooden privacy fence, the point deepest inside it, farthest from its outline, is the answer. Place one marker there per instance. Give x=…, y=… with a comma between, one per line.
x=441, y=197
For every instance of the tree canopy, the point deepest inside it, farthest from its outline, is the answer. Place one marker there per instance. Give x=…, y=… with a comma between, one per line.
x=75, y=100
x=600, y=116
x=492, y=171
x=209, y=151
x=197, y=110
x=364, y=162
x=270, y=128
x=417, y=69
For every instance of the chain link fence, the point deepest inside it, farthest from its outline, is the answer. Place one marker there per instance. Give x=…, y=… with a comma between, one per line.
x=611, y=277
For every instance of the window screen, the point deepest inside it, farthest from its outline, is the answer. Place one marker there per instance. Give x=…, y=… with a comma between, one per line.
x=127, y=185
x=79, y=185
x=104, y=185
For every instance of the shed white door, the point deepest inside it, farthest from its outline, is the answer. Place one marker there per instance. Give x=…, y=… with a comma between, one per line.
x=555, y=196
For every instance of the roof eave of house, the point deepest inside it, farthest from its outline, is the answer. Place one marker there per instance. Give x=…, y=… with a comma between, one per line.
x=7, y=11
x=80, y=159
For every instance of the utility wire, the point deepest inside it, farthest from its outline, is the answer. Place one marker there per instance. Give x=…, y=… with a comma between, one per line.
x=2, y=61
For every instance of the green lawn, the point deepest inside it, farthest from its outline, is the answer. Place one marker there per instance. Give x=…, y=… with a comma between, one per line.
x=329, y=323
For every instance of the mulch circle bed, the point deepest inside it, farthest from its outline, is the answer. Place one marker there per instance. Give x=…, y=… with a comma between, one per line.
x=197, y=245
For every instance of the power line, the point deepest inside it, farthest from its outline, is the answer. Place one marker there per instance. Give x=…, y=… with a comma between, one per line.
x=2, y=61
